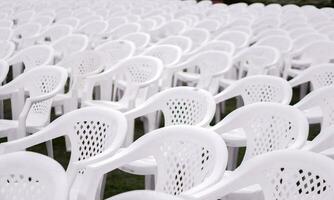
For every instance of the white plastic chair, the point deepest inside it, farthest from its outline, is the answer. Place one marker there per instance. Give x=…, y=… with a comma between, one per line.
x=144, y=195
x=315, y=53
x=7, y=49
x=31, y=57
x=186, y=156
x=140, y=39
x=115, y=22
x=318, y=76
x=93, y=132
x=253, y=89
x=30, y=175
x=170, y=56
x=286, y=174
x=138, y=74
x=284, y=45
x=238, y=38
x=179, y=106
x=257, y=60
x=69, y=45
x=263, y=127
x=42, y=84
x=183, y=42
x=211, y=65
x=6, y=33
x=80, y=65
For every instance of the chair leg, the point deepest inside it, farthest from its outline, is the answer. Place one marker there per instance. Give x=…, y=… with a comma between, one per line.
x=102, y=186
x=149, y=182
x=2, y=116
x=303, y=91
x=218, y=113
x=232, y=158
x=150, y=122
x=49, y=148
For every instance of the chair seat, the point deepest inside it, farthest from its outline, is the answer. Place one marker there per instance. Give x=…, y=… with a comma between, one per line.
x=10, y=127
x=146, y=166
x=120, y=106
x=7, y=127
x=235, y=138
x=59, y=99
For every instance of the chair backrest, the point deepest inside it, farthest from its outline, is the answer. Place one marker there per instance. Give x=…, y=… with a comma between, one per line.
x=144, y=195
x=211, y=64
x=116, y=50
x=185, y=155
x=71, y=44
x=238, y=38
x=321, y=98
x=319, y=76
x=183, y=42
x=258, y=59
x=287, y=175
x=27, y=175
x=179, y=106
x=5, y=33
x=268, y=127
x=318, y=52
x=33, y=56
x=7, y=48
x=259, y=88
x=139, y=39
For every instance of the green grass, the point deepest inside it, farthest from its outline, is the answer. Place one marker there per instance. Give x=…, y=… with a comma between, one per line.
x=118, y=181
